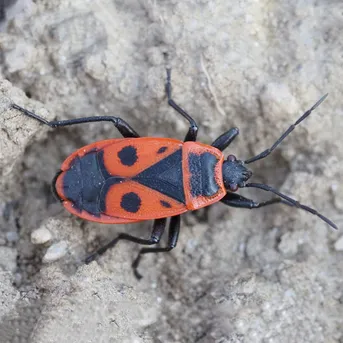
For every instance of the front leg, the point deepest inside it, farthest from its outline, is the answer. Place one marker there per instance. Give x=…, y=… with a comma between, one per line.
x=236, y=200
x=224, y=140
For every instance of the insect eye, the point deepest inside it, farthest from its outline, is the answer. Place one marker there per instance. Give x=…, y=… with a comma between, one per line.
x=231, y=158
x=233, y=187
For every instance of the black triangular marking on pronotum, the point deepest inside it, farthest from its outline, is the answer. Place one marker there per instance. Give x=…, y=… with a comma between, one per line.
x=202, y=180
x=165, y=176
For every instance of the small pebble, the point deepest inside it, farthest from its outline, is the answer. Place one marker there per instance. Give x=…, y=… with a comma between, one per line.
x=55, y=252
x=339, y=244
x=41, y=236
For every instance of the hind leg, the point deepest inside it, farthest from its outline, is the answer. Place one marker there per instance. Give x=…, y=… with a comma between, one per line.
x=157, y=232
x=193, y=127
x=174, y=229
x=123, y=127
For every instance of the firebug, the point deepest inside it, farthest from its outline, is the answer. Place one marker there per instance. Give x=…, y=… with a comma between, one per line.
x=135, y=178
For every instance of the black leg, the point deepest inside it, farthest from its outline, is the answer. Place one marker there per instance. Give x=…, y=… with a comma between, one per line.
x=193, y=127
x=223, y=141
x=157, y=232
x=123, y=127
x=174, y=229
x=236, y=200
x=266, y=152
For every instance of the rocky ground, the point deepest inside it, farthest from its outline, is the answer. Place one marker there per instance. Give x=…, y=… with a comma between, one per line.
x=269, y=275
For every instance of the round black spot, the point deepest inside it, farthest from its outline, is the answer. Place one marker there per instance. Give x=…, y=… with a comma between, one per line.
x=165, y=204
x=131, y=202
x=162, y=149
x=128, y=155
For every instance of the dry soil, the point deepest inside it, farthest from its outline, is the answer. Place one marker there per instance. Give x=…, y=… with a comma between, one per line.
x=269, y=275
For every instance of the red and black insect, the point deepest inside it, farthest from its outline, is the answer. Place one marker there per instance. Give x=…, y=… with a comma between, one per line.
x=134, y=179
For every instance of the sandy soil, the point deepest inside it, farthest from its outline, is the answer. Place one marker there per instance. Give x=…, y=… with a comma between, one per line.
x=269, y=275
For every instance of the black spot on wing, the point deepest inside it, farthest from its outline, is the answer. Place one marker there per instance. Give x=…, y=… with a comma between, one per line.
x=128, y=155
x=165, y=204
x=131, y=202
x=162, y=149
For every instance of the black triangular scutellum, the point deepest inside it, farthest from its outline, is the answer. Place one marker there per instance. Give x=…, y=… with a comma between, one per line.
x=165, y=176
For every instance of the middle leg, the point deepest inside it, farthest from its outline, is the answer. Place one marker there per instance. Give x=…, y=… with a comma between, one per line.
x=193, y=127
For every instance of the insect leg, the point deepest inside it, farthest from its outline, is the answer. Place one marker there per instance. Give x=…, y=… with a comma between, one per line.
x=157, y=232
x=123, y=127
x=224, y=140
x=174, y=229
x=193, y=127
x=236, y=200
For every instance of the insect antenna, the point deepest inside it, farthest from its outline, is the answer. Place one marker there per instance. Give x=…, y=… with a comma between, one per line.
x=30, y=114
x=292, y=201
x=266, y=152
